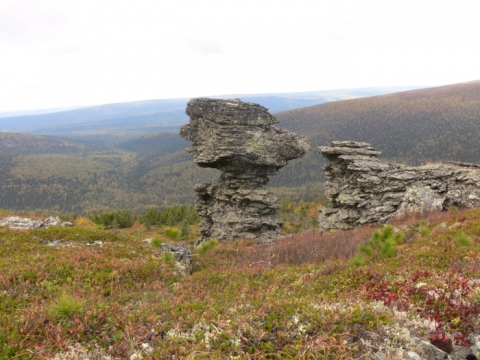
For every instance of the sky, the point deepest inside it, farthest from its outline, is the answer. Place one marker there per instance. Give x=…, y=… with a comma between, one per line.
x=64, y=53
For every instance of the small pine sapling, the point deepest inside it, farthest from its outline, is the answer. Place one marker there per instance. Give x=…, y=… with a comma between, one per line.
x=464, y=240
x=172, y=233
x=156, y=242
x=381, y=245
x=424, y=231
x=207, y=245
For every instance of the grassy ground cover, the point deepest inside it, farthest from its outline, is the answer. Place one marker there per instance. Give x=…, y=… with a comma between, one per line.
x=65, y=295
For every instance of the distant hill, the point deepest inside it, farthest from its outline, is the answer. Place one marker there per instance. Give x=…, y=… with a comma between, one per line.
x=36, y=144
x=117, y=122
x=435, y=124
x=154, y=170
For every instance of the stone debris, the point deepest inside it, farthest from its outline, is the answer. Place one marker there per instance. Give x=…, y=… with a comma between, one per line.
x=16, y=222
x=183, y=257
x=239, y=139
x=363, y=189
x=95, y=243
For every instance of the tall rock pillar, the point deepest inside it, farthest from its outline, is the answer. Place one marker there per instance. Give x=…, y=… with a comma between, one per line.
x=241, y=140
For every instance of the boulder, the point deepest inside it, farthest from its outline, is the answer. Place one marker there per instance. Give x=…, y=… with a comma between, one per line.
x=16, y=222
x=183, y=257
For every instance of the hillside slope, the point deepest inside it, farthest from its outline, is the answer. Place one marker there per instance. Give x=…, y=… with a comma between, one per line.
x=31, y=144
x=81, y=292
x=435, y=124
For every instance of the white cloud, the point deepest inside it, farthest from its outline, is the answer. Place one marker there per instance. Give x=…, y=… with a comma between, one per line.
x=63, y=53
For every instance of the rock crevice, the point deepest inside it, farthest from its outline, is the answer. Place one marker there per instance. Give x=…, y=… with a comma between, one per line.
x=363, y=189
x=241, y=140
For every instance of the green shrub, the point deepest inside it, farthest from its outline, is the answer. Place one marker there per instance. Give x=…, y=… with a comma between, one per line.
x=66, y=307
x=464, y=240
x=185, y=230
x=117, y=219
x=156, y=242
x=167, y=256
x=170, y=216
x=172, y=233
x=381, y=245
x=207, y=245
x=425, y=232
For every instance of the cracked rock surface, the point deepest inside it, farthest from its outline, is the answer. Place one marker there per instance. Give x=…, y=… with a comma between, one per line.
x=363, y=189
x=15, y=222
x=241, y=140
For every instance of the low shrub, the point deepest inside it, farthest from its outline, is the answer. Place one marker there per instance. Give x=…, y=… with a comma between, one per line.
x=170, y=216
x=207, y=245
x=65, y=308
x=156, y=242
x=425, y=232
x=117, y=219
x=464, y=240
x=381, y=245
x=172, y=233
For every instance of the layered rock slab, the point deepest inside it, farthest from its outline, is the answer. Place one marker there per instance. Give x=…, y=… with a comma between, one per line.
x=241, y=140
x=16, y=222
x=363, y=189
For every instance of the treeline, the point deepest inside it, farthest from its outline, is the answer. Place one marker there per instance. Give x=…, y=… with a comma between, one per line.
x=172, y=215
x=37, y=144
x=297, y=216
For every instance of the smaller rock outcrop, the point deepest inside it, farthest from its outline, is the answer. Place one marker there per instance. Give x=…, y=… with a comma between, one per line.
x=183, y=257
x=16, y=222
x=363, y=189
x=241, y=140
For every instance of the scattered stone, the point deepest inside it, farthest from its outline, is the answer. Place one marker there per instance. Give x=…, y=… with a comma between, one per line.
x=95, y=243
x=431, y=352
x=148, y=241
x=16, y=222
x=55, y=221
x=463, y=352
x=241, y=140
x=54, y=243
x=362, y=189
x=412, y=355
x=183, y=257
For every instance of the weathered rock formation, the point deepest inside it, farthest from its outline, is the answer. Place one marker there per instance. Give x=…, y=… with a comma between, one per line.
x=239, y=139
x=15, y=222
x=183, y=257
x=362, y=189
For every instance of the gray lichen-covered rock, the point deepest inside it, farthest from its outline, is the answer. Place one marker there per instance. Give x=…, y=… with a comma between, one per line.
x=362, y=189
x=241, y=140
x=183, y=257
x=16, y=222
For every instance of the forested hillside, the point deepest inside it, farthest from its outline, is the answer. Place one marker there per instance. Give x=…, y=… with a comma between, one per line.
x=436, y=124
x=29, y=144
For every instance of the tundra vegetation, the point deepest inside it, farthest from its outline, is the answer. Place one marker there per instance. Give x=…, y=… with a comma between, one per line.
x=300, y=297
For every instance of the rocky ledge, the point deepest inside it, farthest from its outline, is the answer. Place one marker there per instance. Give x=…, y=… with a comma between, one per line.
x=16, y=222
x=363, y=189
x=241, y=140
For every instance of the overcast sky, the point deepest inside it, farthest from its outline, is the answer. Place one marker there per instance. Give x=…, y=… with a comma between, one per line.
x=58, y=53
